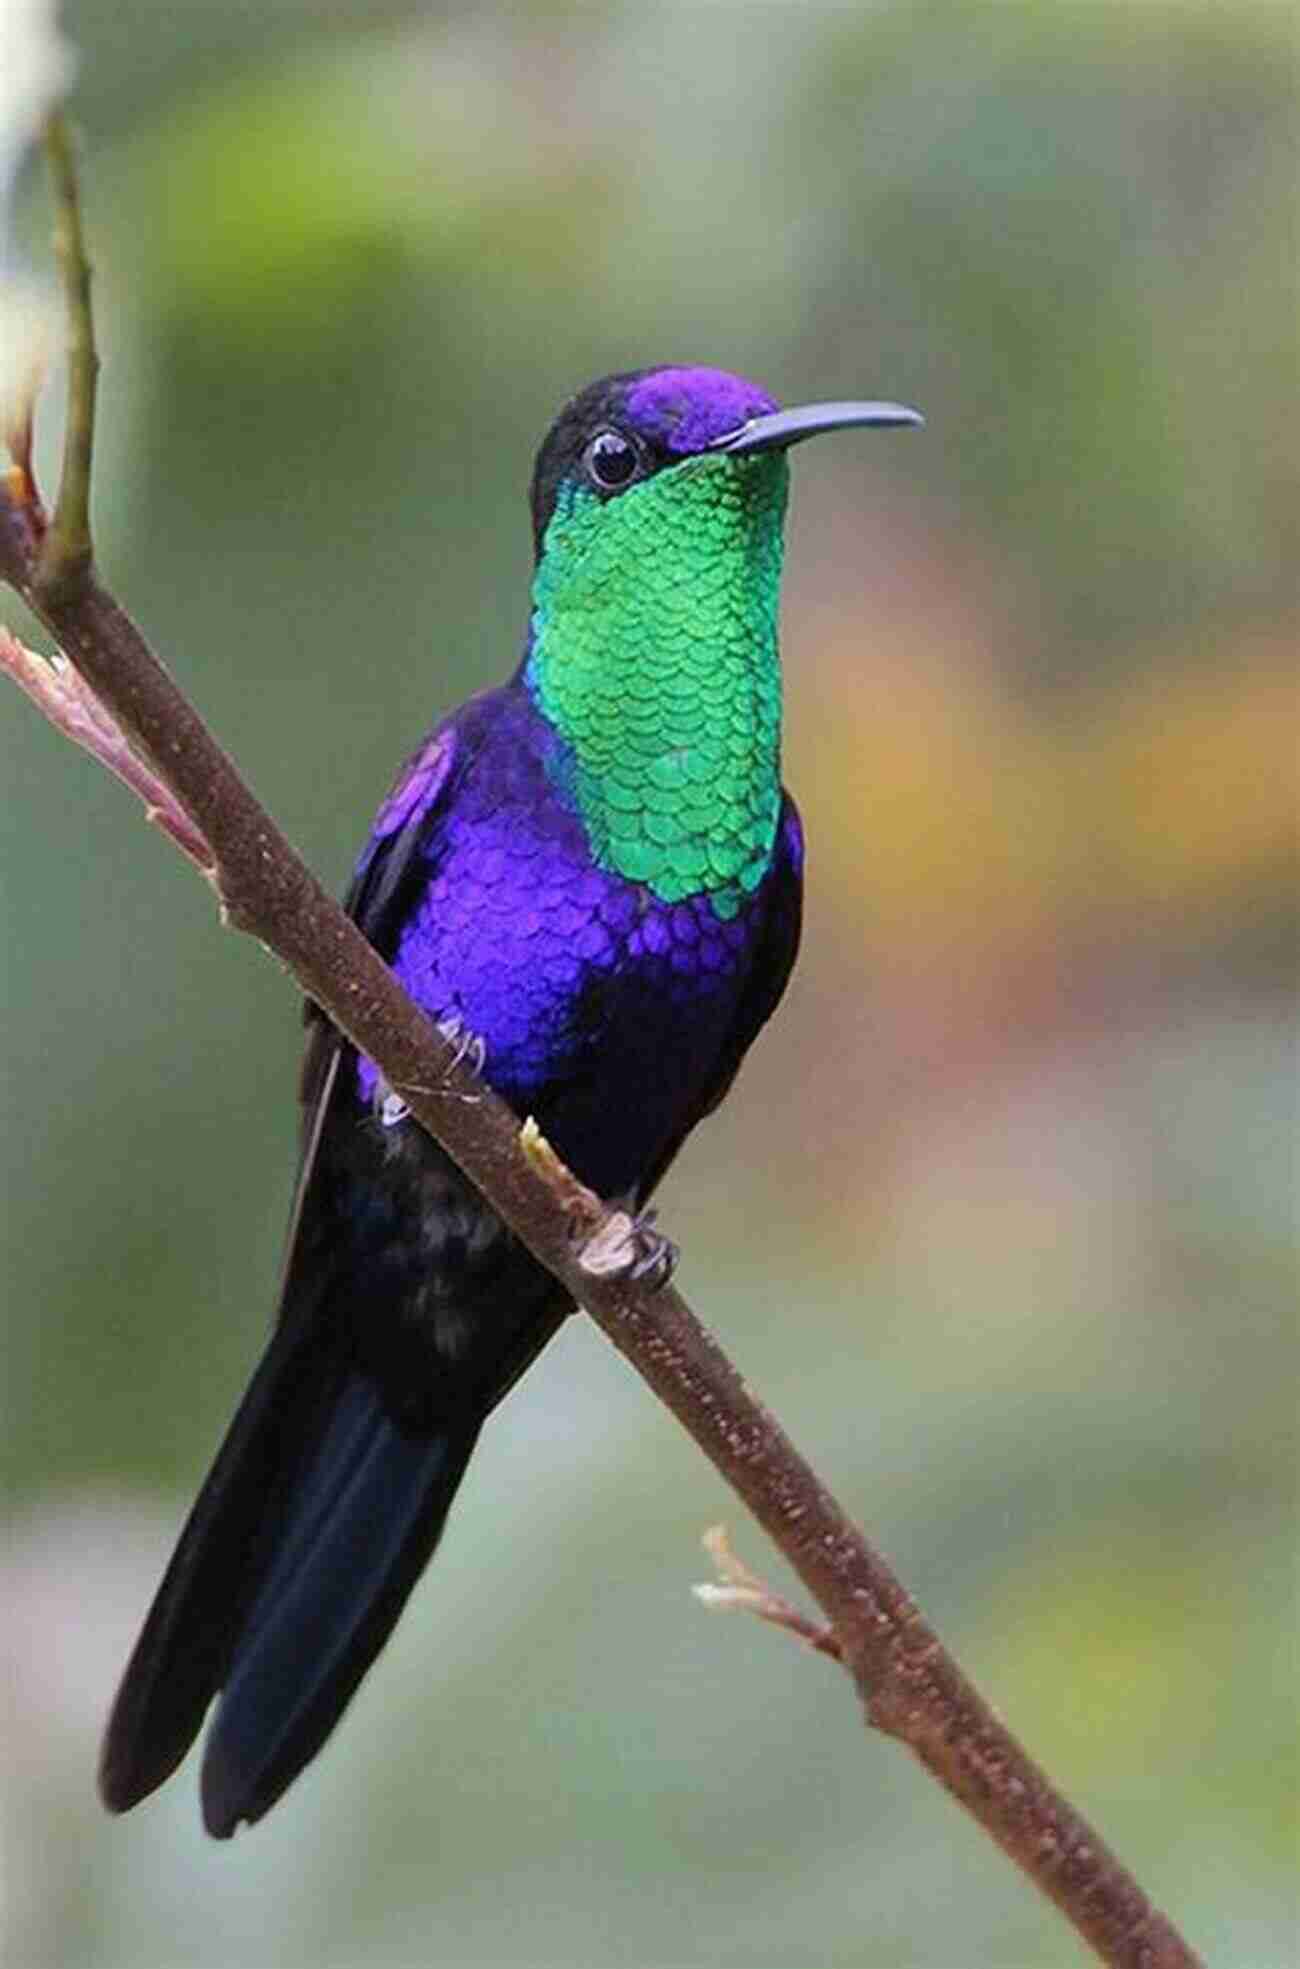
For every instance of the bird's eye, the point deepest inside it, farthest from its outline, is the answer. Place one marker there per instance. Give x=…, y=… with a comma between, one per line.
x=611, y=461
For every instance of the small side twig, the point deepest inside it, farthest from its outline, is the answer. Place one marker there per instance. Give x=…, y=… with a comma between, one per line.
x=65, y=698
x=742, y=1591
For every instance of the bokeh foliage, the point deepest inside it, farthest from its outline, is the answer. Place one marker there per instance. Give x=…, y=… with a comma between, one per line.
x=1000, y=1216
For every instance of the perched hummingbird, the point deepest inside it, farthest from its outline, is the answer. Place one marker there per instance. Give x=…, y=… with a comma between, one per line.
x=594, y=875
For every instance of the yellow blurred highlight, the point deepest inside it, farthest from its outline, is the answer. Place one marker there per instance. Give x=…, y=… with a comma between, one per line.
x=1192, y=784
x=958, y=818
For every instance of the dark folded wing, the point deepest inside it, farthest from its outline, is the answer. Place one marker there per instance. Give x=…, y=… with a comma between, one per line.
x=394, y=865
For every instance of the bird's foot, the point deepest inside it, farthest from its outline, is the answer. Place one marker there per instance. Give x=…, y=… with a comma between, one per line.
x=471, y=1049
x=389, y=1107
x=630, y=1247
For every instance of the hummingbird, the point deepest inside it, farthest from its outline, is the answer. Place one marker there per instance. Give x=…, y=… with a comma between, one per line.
x=592, y=876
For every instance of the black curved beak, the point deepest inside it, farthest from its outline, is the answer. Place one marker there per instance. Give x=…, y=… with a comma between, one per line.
x=781, y=428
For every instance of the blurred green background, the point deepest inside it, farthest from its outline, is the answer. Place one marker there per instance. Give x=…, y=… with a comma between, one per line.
x=999, y=1218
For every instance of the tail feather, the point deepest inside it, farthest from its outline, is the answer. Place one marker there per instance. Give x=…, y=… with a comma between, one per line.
x=316, y=1520
x=179, y=1661
x=366, y=1519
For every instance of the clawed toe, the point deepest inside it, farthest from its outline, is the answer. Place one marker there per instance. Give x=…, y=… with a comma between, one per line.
x=658, y=1254
x=471, y=1050
x=630, y=1247
x=390, y=1107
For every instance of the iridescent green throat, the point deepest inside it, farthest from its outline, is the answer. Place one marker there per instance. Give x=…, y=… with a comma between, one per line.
x=654, y=653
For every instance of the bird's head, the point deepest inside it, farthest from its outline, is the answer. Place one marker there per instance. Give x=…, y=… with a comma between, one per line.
x=661, y=429
x=658, y=500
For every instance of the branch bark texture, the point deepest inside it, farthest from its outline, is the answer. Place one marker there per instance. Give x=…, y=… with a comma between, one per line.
x=909, y=1685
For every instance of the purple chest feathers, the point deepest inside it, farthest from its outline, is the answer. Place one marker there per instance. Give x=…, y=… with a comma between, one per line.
x=602, y=1011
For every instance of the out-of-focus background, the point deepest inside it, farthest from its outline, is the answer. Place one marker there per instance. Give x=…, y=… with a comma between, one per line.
x=999, y=1218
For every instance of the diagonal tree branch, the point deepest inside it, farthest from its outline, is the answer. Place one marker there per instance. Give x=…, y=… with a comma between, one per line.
x=909, y=1685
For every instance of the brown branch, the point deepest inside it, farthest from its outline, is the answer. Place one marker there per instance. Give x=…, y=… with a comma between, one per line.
x=910, y=1687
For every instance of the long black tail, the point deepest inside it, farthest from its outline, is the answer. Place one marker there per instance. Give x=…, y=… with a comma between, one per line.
x=315, y=1522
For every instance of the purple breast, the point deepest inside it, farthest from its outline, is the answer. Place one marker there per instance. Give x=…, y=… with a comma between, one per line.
x=602, y=1011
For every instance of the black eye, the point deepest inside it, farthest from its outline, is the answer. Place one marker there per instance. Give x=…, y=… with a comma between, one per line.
x=611, y=461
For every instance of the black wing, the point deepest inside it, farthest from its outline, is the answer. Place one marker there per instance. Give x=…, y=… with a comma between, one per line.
x=393, y=866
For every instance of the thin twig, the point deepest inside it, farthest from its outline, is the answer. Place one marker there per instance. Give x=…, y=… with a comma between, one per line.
x=63, y=696
x=909, y=1685
x=742, y=1591
x=66, y=551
